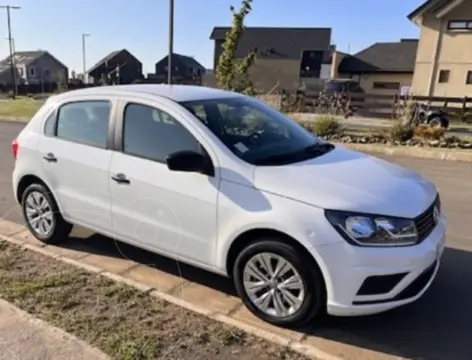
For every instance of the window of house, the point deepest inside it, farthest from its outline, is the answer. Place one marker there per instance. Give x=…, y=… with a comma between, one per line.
x=386, y=85
x=153, y=134
x=443, y=76
x=32, y=71
x=46, y=72
x=459, y=25
x=84, y=122
x=469, y=78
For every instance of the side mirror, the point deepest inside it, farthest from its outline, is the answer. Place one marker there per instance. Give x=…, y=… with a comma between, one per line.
x=190, y=161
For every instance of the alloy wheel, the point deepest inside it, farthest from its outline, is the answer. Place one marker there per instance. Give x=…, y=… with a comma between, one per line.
x=39, y=213
x=273, y=285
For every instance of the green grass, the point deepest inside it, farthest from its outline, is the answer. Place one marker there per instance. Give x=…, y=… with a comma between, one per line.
x=22, y=108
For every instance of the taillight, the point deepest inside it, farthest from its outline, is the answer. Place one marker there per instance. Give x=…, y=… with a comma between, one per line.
x=15, y=146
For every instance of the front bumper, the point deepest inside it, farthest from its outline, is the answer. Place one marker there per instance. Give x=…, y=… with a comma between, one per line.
x=363, y=281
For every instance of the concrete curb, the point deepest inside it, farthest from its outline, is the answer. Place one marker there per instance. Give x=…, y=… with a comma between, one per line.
x=294, y=345
x=410, y=151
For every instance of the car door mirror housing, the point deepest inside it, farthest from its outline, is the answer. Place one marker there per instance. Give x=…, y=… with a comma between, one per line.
x=190, y=161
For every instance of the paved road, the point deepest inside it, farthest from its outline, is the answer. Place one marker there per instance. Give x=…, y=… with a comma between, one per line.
x=438, y=327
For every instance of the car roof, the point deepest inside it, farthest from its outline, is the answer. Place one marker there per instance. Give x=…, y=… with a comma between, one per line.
x=178, y=93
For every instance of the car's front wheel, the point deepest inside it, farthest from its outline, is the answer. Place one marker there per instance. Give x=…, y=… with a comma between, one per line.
x=42, y=215
x=279, y=283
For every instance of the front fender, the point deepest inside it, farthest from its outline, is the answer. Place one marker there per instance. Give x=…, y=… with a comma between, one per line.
x=305, y=223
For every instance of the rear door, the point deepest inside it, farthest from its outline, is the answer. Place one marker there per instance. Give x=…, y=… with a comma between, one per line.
x=75, y=159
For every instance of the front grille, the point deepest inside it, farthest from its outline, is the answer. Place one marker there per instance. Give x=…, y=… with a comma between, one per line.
x=412, y=290
x=418, y=284
x=425, y=223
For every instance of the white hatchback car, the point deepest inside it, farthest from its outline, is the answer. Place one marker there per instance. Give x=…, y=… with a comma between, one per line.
x=226, y=183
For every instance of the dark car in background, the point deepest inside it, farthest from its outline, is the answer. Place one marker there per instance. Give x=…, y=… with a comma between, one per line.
x=343, y=86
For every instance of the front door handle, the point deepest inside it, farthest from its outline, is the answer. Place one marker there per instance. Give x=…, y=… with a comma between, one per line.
x=49, y=157
x=120, y=178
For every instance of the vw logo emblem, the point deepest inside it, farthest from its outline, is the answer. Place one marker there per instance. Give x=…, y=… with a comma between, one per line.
x=436, y=214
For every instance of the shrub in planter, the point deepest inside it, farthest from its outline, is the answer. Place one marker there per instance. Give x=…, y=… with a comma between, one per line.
x=429, y=133
x=327, y=125
x=400, y=132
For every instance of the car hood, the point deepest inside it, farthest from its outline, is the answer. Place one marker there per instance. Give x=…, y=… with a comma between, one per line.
x=347, y=180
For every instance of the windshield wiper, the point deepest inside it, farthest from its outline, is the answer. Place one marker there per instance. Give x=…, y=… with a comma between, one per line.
x=319, y=148
x=313, y=150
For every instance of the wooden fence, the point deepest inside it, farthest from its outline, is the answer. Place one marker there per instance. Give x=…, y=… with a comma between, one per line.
x=381, y=106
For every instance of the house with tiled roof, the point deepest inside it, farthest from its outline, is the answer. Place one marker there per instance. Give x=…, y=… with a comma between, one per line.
x=33, y=68
x=118, y=67
x=443, y=65
x=286, y=57
x=382, y=68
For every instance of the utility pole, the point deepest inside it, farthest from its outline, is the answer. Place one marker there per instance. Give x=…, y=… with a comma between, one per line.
x=84, y=58
x=12, y=57
x=171, y=41
x=13, y=44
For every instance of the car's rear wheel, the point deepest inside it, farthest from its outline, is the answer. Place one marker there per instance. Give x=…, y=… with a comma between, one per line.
x=42, y=215
x=279, y=283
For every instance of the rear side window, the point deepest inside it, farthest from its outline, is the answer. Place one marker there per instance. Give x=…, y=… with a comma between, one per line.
x=84, y=122
x=50, y=125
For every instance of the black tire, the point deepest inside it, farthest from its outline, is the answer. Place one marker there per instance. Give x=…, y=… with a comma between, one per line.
x=436, y=122
x=60, y=229
x=314, y=303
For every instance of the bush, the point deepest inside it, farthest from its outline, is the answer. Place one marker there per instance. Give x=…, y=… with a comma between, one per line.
x=400, y=132
x=429, y=133
x=327, y=126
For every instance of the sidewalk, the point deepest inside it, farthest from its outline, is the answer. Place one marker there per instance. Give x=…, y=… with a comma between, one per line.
x=22, y=337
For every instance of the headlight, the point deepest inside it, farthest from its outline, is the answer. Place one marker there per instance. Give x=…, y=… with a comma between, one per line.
x=373, y=230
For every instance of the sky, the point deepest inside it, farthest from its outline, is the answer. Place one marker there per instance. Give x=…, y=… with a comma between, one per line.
x=142, y=26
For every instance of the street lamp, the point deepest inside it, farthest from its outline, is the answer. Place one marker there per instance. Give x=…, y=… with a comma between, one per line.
x=171, y=41
x=84, y=58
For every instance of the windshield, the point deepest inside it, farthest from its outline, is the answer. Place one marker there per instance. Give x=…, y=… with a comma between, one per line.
x=255, y=132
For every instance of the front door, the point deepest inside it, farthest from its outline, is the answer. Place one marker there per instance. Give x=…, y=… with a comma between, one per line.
x=75, y=161
x=172, y=212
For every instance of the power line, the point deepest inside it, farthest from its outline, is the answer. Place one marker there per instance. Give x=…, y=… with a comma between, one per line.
x=10, y=41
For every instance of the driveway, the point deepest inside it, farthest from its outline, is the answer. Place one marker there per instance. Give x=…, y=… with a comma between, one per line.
x=437, y=327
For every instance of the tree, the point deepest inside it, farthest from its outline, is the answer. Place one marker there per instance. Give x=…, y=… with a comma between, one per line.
x=231, y=73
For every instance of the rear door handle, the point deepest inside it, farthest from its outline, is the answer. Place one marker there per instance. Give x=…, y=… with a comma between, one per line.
x=120, y=178
x=49, y=157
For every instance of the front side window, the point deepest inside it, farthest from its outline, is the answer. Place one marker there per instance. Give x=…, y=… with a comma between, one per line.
x=255, y=132
x=84, y=122
x=153, y=134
